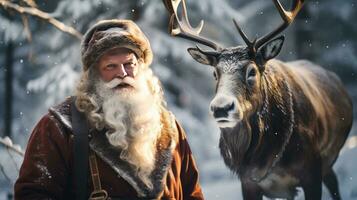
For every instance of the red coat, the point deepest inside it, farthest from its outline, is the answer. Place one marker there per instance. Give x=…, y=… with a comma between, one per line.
x=47, y=169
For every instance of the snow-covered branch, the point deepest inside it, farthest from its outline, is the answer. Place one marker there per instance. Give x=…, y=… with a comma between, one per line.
x=42, y=15
x=9, y=145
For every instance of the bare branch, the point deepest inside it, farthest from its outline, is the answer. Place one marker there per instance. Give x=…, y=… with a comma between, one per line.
x=8, y=144
x=5, y=175
x=13, y=159
x=25, y=21
x=30, y=3
x=42, y=15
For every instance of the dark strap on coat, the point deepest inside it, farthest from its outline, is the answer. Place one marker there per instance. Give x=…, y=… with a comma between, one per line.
x=98, y=193
x=80, y=132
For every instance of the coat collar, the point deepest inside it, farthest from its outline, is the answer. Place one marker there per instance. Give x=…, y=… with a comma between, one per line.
x=100, y=145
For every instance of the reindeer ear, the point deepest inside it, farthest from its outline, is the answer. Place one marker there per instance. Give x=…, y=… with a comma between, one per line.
x=272, y=48
x=201, y=57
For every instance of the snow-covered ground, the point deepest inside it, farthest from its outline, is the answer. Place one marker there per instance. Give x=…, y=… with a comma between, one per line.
x=345, y=168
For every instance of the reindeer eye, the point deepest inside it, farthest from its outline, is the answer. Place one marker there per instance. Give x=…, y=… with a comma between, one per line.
x=215, y=75
x=251, y=75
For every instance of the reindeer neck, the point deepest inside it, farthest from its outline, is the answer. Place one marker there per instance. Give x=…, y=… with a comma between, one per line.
x=273, y=123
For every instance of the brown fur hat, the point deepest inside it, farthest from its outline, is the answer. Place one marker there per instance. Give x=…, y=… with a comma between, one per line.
x=109, y=34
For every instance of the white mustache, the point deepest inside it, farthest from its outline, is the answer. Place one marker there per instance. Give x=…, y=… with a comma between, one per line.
x=116, y=81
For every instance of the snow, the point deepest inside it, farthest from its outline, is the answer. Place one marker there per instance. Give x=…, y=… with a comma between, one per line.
x=57, y=81
x=7, y=141
x=223, y=190
x=11, y=30
x=45, y=174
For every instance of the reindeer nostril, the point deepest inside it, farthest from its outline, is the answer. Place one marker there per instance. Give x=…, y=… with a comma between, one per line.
x=229, y=107
x=220, y=113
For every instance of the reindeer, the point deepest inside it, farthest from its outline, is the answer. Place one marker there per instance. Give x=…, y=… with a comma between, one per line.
x=282, y=124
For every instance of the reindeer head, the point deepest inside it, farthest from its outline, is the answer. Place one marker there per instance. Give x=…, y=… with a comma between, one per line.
x=237, y=70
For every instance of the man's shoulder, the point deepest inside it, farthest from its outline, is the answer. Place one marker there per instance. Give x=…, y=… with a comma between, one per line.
x=62, y=113
x=50, y=126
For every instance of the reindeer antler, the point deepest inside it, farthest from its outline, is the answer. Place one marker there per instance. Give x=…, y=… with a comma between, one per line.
x=288, y=17
x=182, y=27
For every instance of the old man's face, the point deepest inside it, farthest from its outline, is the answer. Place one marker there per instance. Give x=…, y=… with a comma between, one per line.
x=118, y=67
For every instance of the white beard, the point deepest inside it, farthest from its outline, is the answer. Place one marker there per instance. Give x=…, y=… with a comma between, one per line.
x=133, y=118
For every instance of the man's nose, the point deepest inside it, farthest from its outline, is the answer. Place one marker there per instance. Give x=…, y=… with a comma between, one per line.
x=121, y=73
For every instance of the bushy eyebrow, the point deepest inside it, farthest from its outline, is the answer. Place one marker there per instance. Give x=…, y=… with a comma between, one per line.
x=130, y=60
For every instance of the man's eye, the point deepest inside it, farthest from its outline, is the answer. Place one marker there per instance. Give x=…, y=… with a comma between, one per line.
x=110, y=66
x=130, y=64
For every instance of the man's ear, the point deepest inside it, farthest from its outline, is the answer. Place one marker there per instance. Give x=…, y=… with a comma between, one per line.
x=271, y=49
x=202, y=57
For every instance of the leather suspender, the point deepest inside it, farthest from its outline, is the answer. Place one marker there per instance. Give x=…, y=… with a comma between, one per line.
x=80, y=147
x=98, y=193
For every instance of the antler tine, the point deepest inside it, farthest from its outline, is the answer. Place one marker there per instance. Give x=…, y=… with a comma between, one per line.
x=249, y=43
x=196, y=30
x=288, y=18
x=182, y=27
x=212, y=53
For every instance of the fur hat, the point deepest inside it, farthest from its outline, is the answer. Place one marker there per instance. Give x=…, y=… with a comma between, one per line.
x=109, y=34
